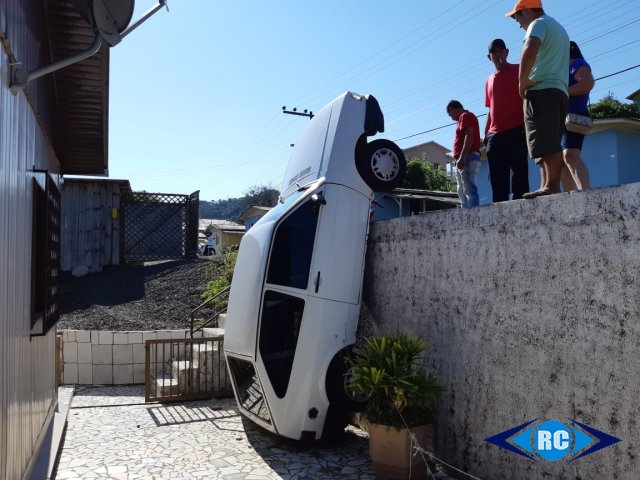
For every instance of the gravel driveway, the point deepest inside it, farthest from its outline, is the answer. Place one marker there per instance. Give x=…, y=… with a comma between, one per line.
x=149, y=296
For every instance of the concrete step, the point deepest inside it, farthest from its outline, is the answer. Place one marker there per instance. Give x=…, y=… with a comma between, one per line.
x=180, y=369
x=164, y=386
x=207, y=372
x=213, y=332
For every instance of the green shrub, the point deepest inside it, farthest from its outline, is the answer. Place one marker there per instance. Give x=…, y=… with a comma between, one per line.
x=387, y=372
x=221, y=274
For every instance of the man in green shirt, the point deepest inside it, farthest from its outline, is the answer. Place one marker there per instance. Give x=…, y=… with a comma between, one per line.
x=543, y=86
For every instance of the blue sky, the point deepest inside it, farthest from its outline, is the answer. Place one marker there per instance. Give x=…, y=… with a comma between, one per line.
x=196, y=93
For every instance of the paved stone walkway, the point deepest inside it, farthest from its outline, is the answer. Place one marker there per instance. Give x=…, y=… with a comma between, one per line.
x=112, y=433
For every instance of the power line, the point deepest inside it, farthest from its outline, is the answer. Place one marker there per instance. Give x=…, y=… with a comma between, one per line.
x=611, y=31
x=470, y=68
x=617, y=73
x=484, y=114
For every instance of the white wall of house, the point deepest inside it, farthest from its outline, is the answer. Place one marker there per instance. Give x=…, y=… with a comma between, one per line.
x=530, y=309
x=27, y=377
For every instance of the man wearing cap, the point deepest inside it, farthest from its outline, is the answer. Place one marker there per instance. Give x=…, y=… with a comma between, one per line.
x=504, y=131
x=543, y=83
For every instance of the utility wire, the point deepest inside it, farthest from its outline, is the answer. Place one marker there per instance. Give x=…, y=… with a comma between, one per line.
x=611, y=31
x=616, y=73
x=484, y=114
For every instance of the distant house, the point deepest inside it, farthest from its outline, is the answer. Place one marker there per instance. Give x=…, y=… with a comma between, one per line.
x=431, y=151
x=635, y=97
x=252, y=214
x=224, y=232
x=434, y=153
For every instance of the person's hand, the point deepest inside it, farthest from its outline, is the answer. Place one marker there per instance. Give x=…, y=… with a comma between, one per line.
x=525, y=85
x=461, y=163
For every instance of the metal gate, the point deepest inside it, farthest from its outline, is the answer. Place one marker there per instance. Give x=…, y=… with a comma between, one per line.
x=186, y=369
x=159, y=226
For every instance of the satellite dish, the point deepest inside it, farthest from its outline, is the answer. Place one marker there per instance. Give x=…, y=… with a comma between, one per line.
x=111, y=18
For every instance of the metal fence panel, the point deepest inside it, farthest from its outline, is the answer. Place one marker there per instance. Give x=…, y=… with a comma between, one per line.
x=159, y=226
x=185, y=369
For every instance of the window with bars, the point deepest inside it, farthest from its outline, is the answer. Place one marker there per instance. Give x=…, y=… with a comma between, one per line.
x=45, y=256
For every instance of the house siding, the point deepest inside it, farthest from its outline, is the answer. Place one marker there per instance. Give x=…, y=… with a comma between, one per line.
x=602, y=156
x=629, y=159
x=27, y=376
x=90, y=235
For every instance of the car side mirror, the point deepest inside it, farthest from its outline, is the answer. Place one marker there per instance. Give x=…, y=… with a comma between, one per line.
x=318, y=199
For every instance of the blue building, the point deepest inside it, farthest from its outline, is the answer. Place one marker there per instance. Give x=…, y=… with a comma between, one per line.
x=404, y=202
x=611, y=152
x=252, y=214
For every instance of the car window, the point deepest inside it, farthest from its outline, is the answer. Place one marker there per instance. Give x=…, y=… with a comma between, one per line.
x=279, y=329
x=280, y=208
x=292, y=248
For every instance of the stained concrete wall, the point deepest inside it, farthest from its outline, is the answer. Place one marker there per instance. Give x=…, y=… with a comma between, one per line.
x=531, y=309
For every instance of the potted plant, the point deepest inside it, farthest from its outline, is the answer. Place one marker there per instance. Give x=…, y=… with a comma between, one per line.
x=388, y=374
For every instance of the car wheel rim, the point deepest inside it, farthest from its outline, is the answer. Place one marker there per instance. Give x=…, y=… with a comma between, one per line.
x=385, y=164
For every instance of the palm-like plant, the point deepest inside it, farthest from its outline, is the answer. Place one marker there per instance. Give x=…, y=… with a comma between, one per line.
x=388, y=373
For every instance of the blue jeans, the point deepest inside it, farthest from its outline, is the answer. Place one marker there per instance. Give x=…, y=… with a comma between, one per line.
x=467, y=186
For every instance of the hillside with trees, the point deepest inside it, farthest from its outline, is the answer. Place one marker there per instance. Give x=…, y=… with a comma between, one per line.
x=232, y=208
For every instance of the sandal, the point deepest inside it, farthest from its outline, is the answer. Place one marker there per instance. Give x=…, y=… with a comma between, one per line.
x=536, y=194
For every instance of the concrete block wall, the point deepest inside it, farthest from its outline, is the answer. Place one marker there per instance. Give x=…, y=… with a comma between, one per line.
x=108, y=358
x=531, y=309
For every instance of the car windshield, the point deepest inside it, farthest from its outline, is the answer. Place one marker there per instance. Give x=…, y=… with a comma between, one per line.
x=276, y=212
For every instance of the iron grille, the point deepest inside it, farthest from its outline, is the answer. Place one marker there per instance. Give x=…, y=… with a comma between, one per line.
x=45, y=256
x=159, y=226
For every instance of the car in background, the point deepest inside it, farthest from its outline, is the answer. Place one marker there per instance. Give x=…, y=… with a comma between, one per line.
x=296, y=290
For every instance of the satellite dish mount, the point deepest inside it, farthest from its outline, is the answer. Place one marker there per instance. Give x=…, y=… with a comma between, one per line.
x=110, y=20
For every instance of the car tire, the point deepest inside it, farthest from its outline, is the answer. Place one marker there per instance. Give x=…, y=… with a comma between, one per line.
x=341, y=404
x=381, y=164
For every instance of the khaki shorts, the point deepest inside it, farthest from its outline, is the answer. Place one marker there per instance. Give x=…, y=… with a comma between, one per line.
x=544, y=115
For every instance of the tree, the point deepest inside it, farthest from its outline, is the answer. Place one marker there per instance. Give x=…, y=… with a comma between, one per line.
x=232, y=208
x=262, y=195
x=609, y=107
x=425, y=175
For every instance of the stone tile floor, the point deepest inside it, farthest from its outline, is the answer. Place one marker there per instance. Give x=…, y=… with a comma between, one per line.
x=112, y=434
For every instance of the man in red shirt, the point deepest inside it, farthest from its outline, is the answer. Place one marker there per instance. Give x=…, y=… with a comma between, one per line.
x=504, y=132
x=466, y=152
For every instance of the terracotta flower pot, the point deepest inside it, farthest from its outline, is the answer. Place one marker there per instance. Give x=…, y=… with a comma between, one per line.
x=391, y=452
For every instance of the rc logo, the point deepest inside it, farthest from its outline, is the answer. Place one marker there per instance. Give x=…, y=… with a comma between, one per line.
x=552, y=440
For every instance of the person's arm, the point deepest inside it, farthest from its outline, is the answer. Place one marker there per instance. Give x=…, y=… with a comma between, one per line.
x=528, y=58
x=486, y=128
x=466, y=148
x=584, y=82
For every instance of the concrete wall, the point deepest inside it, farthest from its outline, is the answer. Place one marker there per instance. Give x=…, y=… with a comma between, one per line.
x=531, y=310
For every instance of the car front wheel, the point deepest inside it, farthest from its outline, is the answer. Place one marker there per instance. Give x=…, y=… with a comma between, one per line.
x=381, y=164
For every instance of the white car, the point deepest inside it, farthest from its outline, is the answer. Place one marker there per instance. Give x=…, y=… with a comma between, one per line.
x=296, y=290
